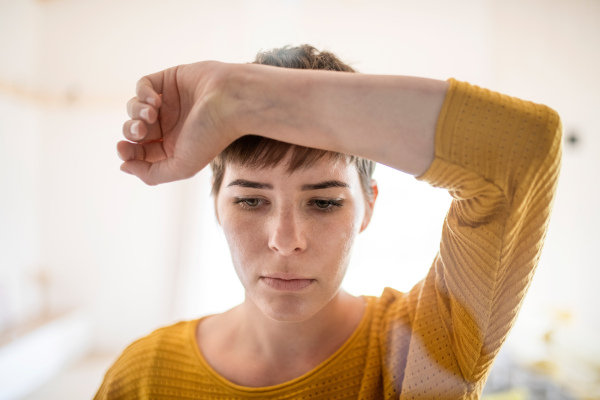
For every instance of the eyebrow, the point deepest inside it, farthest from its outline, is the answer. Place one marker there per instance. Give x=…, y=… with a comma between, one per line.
x=325, y=185
x=314, y=186
x=249, y=184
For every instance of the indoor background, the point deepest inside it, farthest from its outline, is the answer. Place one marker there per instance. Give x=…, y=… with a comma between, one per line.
x=91, y=258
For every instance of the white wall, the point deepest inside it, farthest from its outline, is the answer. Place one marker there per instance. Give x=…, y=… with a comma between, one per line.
x=138, y=257
x=19, y=168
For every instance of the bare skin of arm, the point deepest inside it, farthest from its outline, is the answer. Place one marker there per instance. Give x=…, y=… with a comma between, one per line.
x=186, y=115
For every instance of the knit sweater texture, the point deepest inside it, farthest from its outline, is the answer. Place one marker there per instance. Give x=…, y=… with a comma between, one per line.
x=499, y=158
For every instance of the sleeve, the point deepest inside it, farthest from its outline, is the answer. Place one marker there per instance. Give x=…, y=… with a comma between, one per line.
x=499, y=157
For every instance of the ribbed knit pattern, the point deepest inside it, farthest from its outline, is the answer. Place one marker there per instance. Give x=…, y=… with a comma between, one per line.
x=499, y=158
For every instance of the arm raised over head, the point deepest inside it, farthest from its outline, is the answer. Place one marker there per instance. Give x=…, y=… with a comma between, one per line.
x=182, y=117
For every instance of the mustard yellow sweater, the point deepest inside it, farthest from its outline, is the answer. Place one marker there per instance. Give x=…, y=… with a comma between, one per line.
x=499, y=157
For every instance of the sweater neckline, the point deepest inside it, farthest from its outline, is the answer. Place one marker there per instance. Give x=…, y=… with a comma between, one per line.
x=364, y=322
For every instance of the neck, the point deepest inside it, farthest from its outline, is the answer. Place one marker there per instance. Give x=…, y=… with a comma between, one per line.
x=308, y=342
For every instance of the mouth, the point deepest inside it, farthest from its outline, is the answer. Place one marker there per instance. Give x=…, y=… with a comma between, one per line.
x=286, y=283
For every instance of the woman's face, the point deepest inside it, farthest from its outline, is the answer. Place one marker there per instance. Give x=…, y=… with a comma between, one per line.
x=291, y=235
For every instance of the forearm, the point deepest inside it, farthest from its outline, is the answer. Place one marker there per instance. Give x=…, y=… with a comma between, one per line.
x=388, y=119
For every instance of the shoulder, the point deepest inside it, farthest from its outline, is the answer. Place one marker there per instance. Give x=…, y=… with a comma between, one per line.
x=164, y=339
x=144, y=359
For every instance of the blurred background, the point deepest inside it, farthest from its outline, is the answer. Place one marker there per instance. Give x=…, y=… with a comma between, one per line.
x=92, y=259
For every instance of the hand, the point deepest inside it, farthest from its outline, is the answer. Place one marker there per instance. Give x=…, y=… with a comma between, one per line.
x=177, y=123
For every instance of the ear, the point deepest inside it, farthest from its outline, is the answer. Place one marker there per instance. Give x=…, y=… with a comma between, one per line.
x=370, y=205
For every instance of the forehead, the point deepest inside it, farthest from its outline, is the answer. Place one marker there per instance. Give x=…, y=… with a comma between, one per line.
x=279, y=175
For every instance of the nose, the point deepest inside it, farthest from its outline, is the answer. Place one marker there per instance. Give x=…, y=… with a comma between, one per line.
x=287, y=236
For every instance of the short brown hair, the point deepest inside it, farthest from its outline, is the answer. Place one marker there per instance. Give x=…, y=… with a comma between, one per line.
x=260, y=152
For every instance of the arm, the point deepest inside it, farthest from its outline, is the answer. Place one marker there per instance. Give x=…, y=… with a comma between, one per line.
x=205, y=106
x=388, y=119
x=499, y=157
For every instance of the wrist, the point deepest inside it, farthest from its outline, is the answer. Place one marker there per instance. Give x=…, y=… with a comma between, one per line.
x=260, y=101
x=240, y=100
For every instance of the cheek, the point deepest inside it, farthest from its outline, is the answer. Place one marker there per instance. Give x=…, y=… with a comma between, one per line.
x=245, y=241
x=330, y=240
x=240, y=235
x=351, y=233
x=334, y=241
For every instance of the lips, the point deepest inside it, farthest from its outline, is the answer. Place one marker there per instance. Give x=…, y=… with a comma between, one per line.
x=287, y=283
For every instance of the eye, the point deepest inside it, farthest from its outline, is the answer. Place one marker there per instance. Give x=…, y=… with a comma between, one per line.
x=251, y=202
x=248, y=203
x=322, y=203
x=326, y=205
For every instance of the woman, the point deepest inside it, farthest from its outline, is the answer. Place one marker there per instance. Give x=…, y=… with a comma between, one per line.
x=290, y=214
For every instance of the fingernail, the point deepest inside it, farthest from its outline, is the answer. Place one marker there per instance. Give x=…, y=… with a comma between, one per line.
x=145, y=114
x=127, y=171
x=135, y=129
x=151, y=101
x=119, y=154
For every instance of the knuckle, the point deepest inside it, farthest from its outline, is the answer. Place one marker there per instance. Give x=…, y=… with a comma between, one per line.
x=130, y=106
x=140, y=83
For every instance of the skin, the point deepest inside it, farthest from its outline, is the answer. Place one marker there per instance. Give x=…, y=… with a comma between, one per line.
x=286, y=229
x=183, y=117
x=205, y=106
x=281, y=230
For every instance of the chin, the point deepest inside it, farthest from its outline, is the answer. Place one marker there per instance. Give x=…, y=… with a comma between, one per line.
x=288, y=309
